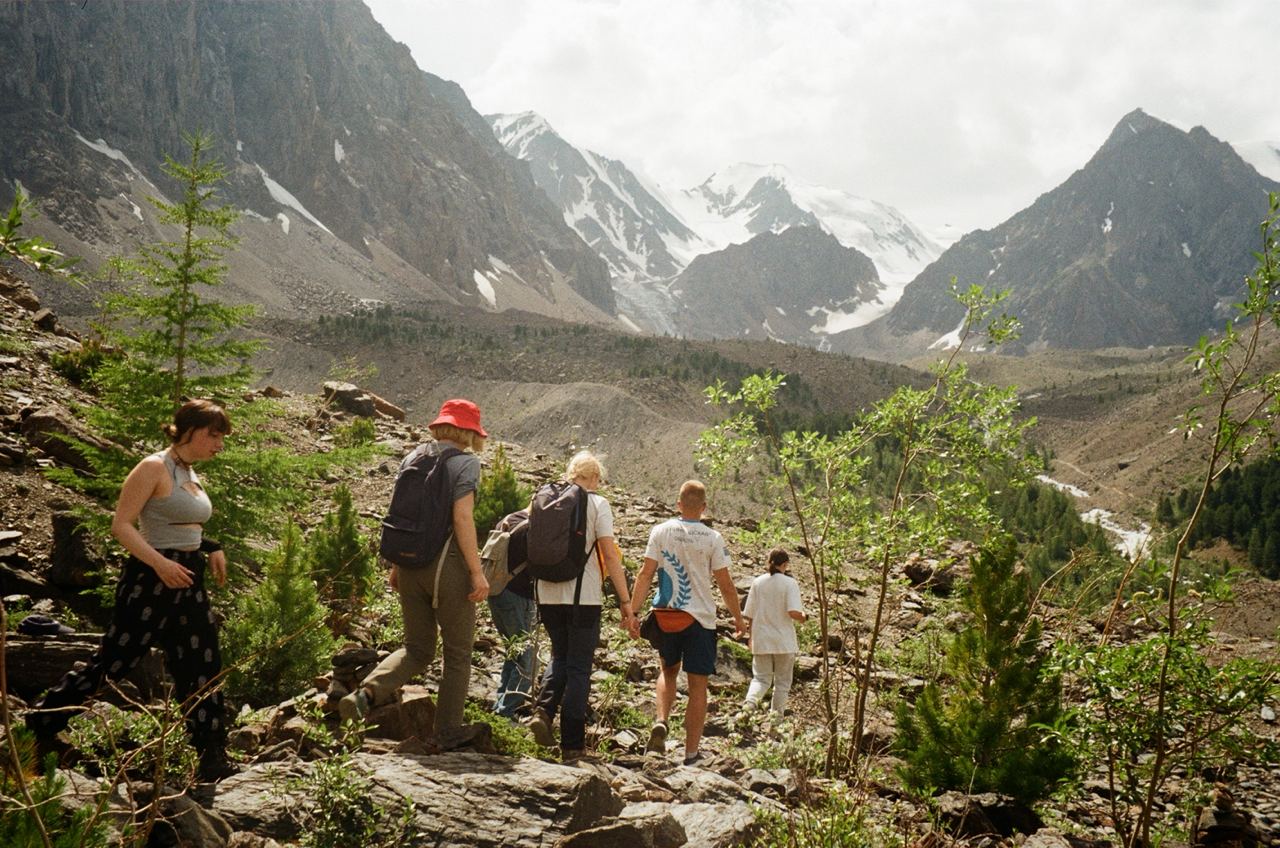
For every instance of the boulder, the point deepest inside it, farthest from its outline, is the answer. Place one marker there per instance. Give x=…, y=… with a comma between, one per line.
x=73, y=561
x=182, y=822
x=461, y=799
x=657, y=831
x=986, y=814
x=33, y=664
x=705, y=825
x=49, y=427
x=349, y=397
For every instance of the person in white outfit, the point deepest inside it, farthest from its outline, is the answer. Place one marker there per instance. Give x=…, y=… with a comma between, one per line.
x=773, y=607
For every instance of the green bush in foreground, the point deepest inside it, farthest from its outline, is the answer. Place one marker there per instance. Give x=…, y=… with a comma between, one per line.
x=276, y=641
x=996, y=726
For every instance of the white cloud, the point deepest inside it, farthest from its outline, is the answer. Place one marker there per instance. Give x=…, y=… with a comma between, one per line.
x=955, y=112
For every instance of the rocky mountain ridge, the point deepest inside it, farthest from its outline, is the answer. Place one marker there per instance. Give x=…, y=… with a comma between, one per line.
x=1144, y=245
x=649, y=236
x=361, y=177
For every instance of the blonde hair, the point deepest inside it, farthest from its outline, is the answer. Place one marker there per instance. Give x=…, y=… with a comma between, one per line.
x=467, y=438
x=693, y=494
x=584, y=464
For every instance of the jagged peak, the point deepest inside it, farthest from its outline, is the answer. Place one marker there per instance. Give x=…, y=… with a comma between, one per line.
x=526, y=122
x=1136, y=123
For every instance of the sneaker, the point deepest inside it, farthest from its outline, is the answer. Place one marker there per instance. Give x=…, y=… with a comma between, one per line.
x=540, y=727
x=354, y=706
x=657, y=743
x=696, y=759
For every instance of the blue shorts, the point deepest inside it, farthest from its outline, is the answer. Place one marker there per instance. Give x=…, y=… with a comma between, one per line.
x=695, y=646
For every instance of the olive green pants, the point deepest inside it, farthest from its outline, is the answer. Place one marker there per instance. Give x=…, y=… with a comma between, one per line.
x=455, y=619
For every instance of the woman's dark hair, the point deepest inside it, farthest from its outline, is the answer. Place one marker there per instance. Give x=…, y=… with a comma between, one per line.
x=777, y=558
x=197, y=414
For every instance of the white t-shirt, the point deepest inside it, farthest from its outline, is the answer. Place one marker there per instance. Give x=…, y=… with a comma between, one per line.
x=687, y=552
x=772, y=630
x=599, y=526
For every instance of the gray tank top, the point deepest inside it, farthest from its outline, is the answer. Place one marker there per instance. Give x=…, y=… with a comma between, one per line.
x=161, y=520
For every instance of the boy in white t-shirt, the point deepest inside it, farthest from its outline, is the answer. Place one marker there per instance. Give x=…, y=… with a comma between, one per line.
x=687, y=556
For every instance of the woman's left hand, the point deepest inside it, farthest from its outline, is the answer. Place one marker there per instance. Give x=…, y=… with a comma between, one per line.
x=218, y=566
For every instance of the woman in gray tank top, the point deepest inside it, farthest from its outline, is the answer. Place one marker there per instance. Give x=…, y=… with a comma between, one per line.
x=161, y=598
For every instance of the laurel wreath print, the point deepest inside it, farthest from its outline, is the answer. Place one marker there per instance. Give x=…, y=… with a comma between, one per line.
x=684, y=590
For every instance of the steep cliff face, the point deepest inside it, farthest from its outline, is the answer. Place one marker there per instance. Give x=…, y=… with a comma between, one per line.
x=316, y=111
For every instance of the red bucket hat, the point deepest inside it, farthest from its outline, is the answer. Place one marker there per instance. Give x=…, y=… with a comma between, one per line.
x=460, y=413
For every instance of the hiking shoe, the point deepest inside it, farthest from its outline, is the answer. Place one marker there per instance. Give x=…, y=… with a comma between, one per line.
x=574, y=755
x=657, y=743
x=540, y=727
x=697, y=758
x=354, y=706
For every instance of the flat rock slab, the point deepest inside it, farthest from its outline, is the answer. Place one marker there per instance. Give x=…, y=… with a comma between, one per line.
x=705, y=825
x=461, y=799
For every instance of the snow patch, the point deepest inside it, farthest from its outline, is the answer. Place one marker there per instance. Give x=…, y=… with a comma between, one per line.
x=499, y=265
x=338, y=153
x=1186, y=251
x=950, y=340
x=780, y=311
x=1106, y=221
x=257, y=216
x=281, y=195
x=110, y=152
x=485, y=289
x=1132, y=543
x=239, y=146
x=630, y=325
x=1074, y=491
x=137, y=210
x=284, y=222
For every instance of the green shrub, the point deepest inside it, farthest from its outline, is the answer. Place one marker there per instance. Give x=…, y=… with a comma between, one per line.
x=340, y=810
x=510, y=738
x=837, y=821
x=22, y=825
x=341, y=560
x=77, y=366
x=995, y=726
x=1204, y=720
x=499, y=493
x=358, y=433
x=116, y=743
x=276, y=641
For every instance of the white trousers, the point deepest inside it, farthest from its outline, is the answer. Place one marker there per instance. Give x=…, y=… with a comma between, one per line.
x=771, y=670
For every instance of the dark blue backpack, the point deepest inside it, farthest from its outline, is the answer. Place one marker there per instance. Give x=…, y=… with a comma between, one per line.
x=420, y=518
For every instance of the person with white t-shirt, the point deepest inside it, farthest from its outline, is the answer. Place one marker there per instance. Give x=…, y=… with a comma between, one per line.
x=688, y=557
x=574, y=629
x=773, y=607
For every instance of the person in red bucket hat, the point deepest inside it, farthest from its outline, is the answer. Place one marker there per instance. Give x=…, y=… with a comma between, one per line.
x=462, y=414
x=440, y=599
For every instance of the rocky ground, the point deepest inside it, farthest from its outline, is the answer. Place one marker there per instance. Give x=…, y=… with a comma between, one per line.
x=475, y=795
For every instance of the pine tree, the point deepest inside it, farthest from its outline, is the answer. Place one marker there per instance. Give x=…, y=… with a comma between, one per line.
x=499, y=493
x=174, y=342
x=178, y=342
x=993, y=728
x=341, y=560
x=276, y=641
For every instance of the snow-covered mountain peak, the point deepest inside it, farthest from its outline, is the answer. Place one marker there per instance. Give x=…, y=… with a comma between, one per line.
x=517, y=131
x=736, y=182
x=735, y=204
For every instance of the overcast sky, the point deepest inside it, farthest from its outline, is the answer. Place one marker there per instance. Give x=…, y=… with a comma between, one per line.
x=957, y=112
